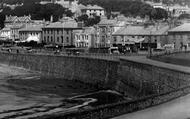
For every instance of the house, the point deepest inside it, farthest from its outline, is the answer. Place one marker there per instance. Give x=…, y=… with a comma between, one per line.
x=17, y=21
x=180, y=35
x=104, y=29
x=154, y=35
x=92, y=10
x=31, y=33
x=5, y=33
x=60, y=33
x=85, y=38
x=10, y=33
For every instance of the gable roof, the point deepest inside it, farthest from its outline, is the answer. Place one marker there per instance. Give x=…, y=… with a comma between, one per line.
x=15, y=18
x=62, y=25
x=141, y=30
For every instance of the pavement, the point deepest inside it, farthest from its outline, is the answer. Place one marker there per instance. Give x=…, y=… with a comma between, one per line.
x=175, y=109
x=144, y=60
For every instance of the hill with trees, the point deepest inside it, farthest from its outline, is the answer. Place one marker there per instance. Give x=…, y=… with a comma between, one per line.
x=38, y=11
x=128, y=8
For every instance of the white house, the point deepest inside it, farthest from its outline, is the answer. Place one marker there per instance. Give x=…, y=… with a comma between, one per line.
x=5, y=33
x=91, y=10
x=85, y=38
x=31, y=33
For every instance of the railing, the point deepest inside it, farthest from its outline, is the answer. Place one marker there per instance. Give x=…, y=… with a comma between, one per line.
x=168, y=52
x=106, y=56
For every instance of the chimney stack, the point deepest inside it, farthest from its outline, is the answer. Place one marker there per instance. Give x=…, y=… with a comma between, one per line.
x=51, y=18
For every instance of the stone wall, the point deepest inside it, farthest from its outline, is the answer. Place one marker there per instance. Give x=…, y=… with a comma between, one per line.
x=160, y=82
x=138, y=78
x=100, y=73
x=149, y=78
x=112, y=110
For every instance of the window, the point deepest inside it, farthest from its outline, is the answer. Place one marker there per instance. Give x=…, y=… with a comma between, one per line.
x=51, y=39
x=67, y=39
x=62, y=38
x=67, y=32
x=57, y=39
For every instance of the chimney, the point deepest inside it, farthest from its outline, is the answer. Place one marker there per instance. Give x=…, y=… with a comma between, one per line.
x=51, y=18
x=6, y=17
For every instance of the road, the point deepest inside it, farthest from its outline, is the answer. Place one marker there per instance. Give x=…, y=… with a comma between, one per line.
x=176, y=109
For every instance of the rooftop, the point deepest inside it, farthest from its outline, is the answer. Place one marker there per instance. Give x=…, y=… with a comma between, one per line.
x=183, y=28
x=107, y=22
x=91, y=7
x=86, y=30
x=6, y=29
x=141, y=30
x=68, y=24
x=15, y=18
x=32, y=28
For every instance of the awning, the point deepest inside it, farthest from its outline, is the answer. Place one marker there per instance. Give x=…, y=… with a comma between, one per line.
x=33, y=38
x=135, y=40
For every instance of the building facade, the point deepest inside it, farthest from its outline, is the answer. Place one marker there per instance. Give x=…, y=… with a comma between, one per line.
x=180, y=36
x=142, y=35
x=60, y=33
x=92, y=10
x=85, y=38
x=105, y=29
x=31, y=33
x=17, y=21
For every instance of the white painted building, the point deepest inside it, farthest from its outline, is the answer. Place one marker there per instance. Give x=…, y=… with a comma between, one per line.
x=85, y=38
x=180, y=35
x=5, y=33
x=91, y=10
x=31, y=33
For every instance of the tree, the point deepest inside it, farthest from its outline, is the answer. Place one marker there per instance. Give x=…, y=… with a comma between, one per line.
x=88, y=21
x=2, y=16
x=159, y=13
x=128, y=8
x=38, y=11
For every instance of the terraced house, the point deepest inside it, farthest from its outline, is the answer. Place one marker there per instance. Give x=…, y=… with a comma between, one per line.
x=60, y=33
x=31, y=33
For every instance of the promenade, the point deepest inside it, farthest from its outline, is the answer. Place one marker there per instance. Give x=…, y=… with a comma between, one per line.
x=175, y=109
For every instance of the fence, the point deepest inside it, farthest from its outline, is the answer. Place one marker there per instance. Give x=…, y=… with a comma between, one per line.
x=168, y=52
x=106, y=56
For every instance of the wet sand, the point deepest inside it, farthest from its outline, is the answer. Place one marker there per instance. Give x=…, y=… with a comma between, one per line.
x=25, y=93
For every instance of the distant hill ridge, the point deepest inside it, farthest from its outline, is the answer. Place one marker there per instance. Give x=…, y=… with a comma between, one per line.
x=182, y=2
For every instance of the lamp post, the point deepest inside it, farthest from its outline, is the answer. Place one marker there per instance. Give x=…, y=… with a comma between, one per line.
x=149, y=45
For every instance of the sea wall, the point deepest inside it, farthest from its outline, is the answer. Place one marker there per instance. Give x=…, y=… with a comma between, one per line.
x=96, y=72
x=138, y=77
x=112, y=110
x=151, y=82
x=151, y=77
